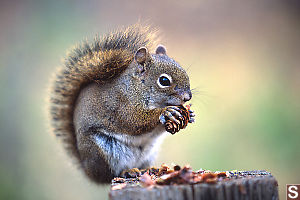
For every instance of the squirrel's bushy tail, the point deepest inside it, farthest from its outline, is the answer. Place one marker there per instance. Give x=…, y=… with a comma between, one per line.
x=98, y=61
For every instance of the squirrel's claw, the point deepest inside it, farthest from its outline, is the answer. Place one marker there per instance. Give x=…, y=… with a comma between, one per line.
x=192, y=115
x=192, y=120
x=162, y=119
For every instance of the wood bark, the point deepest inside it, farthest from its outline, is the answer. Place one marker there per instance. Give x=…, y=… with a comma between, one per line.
x=256, y=185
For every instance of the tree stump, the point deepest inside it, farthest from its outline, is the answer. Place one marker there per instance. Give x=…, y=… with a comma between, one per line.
x=237, y=185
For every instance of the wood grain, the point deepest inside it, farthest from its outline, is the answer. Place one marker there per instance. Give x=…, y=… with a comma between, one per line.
x=247, y=185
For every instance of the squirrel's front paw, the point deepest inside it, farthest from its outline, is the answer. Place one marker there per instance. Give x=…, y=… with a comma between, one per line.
x=191, y=114
x=177, y=117
x=131, y=173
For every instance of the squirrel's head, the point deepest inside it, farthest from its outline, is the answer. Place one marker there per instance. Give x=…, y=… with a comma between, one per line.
x=163, y=81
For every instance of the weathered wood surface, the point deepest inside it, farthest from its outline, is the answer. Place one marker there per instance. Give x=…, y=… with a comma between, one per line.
x=258, y=185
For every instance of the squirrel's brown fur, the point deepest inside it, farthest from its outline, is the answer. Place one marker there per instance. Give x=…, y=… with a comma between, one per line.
x=100, y=61
x=112, y=98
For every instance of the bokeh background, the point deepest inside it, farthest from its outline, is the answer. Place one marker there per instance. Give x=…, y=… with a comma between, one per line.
x=242, y=57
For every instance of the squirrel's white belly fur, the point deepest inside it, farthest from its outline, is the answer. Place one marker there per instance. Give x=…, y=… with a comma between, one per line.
x=127, y=151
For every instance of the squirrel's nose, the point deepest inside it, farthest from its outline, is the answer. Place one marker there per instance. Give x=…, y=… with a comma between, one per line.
x=185, y=93
x=187, y=96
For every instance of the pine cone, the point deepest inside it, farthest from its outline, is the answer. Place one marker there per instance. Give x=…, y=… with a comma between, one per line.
x=172, y=127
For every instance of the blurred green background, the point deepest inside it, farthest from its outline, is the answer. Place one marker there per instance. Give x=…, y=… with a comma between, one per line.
x=243, y=59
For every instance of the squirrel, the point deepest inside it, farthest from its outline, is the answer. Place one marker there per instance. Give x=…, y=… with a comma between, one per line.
x=111, y=99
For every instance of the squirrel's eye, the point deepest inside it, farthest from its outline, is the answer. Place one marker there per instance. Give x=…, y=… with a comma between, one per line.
x=164, y=81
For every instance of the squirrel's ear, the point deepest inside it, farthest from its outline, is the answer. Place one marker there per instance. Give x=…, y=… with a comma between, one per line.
x=141, y=55
x=160, y=49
